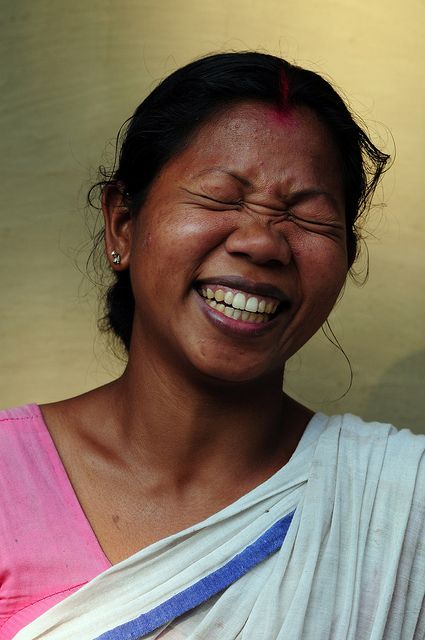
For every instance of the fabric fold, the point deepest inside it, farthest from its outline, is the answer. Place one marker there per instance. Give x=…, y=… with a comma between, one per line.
x=352, y=564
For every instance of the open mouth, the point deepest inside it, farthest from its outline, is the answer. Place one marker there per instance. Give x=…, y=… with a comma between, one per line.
x=240, y=305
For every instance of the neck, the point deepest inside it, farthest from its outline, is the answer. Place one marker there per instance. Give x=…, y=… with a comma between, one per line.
x=181, y=426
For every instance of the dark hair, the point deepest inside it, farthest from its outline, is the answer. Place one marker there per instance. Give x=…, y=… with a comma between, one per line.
x=165, y=121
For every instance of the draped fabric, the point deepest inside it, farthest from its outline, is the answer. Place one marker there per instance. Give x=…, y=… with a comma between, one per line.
x=330, y=547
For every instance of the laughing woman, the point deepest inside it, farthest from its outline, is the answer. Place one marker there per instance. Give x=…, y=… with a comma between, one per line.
x=191, y=498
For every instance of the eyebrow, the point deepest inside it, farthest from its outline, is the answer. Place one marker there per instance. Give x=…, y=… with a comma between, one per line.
x=238, y=177
x=310, y=193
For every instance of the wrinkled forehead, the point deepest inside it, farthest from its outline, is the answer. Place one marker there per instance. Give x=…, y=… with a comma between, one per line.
x=251, y=123
x=264, y=144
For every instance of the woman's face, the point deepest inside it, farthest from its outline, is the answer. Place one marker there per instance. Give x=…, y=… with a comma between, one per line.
x=239, y=252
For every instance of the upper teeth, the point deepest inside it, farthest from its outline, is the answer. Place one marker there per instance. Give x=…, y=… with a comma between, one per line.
x=239, y=300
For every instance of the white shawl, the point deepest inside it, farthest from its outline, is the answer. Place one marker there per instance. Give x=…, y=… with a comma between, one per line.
x=330, y=547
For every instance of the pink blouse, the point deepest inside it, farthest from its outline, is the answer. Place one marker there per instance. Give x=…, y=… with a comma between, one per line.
x=48, y=549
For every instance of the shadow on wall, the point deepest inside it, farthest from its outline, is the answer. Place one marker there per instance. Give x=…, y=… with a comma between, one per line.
x=399, y=395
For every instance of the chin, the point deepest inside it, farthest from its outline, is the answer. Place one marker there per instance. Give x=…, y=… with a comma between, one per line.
x=234, y=373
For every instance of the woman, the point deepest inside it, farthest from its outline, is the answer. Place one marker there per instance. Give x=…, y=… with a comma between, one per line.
x=191, y=498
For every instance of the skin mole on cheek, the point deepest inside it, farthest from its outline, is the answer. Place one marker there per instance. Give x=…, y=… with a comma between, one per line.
x=147, y=241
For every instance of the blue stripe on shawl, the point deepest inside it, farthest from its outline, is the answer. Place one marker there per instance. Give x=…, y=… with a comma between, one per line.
x=268, y=543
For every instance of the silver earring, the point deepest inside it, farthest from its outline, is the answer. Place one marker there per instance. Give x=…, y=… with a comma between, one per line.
x=116, y=258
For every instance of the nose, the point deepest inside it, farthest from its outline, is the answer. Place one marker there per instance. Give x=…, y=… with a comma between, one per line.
x=260, y=243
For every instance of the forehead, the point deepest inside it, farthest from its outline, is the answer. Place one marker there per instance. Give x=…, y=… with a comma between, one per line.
x=264, y=146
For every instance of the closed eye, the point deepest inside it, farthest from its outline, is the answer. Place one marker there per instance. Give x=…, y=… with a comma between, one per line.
x=316, y=226
x=231, y=202
x=202, y=196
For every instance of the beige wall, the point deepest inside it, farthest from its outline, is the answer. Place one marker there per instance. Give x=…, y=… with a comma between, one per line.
x=73, y=71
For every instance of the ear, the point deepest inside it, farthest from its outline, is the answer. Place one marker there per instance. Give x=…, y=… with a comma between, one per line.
x=118, y=225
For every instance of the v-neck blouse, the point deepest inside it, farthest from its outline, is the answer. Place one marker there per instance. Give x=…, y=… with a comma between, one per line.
x=48, y=549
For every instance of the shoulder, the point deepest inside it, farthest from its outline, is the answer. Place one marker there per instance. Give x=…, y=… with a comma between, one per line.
x=380, y=457
x=19, y=427
x=26, y=453
x=355, y=433
x=12, y=417
x=398, y=446
x=22, y=429
x=372, y=454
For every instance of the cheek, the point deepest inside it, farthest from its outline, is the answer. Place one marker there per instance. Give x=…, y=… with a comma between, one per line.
x=189, y=238
x=328, y=287
x=170, y=253
x=322, y=266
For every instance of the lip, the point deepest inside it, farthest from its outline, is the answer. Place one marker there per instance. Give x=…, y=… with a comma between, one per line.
x=237, y=327
x=249, y=286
